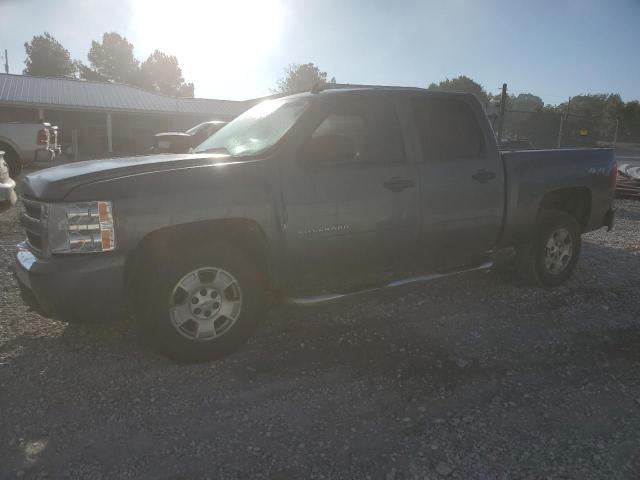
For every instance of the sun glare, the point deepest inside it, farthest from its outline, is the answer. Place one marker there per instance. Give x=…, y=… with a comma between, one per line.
x=212, y=39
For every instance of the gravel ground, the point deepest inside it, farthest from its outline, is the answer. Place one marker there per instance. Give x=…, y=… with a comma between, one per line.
x=475, y=376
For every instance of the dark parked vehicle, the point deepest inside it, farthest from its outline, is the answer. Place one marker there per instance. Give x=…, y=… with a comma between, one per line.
x=306, y=198
x=181, y=142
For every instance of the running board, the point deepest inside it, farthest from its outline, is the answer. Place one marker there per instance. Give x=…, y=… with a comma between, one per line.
x=330, y=297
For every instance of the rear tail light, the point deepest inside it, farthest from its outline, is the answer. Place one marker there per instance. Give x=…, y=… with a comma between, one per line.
x=43, y=136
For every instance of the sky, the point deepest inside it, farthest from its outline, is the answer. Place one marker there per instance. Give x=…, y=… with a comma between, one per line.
x=237, y=49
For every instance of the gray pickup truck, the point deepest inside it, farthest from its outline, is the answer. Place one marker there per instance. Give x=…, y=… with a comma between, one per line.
x=305, y=198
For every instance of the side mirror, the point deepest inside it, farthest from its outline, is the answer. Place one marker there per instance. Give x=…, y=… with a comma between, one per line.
x=332, y=148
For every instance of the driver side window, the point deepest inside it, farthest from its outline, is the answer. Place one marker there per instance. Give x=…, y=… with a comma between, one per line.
x=370, y=124
x=346, y=125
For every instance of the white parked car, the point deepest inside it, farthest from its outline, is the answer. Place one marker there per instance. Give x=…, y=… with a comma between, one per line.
x=24, y=142
x=7, y=186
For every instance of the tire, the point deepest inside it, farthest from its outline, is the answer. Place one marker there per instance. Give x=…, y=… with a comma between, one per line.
x=550, y=258
x=167, y=302
x=13, y=162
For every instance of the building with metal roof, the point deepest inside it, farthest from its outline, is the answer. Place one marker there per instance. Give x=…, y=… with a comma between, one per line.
x=100, y=117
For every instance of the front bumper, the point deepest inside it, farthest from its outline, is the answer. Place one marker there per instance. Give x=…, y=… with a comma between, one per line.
x=44, y=155
x=73, y=288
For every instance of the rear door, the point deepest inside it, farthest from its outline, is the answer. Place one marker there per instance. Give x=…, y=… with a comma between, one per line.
x=356, y=221
x=462, y=180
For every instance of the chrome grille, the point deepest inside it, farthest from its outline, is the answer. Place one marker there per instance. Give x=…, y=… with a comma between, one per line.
x=32, y=209
x=31, y=220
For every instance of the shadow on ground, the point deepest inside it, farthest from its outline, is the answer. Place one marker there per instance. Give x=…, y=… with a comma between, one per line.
x=480, y=371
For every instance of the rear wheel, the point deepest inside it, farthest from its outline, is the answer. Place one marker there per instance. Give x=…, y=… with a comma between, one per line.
x=204, y=305
x=550, y=258
x=12, y=160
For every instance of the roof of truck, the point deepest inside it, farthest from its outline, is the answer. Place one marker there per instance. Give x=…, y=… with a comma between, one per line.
x=339, y=89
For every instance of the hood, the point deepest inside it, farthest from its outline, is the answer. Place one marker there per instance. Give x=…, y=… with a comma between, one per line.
x=53, y=184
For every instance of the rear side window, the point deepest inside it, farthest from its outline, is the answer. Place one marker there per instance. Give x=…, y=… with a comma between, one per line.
x=372, y=124
x=448, y=129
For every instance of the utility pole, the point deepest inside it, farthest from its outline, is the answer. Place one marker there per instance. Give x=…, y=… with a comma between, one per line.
x=503, y=101
x=564, y=118
x=560, y=130
x=615, y=133
x=6, y=61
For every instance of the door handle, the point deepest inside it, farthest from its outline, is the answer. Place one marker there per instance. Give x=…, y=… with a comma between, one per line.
x=483, y=176
x=397, y=184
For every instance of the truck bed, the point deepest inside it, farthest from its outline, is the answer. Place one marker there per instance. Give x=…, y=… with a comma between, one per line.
x=531, y=174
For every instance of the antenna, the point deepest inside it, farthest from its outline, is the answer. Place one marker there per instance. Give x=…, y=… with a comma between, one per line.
x=6, y=61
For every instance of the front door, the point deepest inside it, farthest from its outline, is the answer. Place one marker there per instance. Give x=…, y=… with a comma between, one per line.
x=352, y=221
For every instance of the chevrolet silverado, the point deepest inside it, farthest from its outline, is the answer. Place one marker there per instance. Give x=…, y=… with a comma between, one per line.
x=305, y=198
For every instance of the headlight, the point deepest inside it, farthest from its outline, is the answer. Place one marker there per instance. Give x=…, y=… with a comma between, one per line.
x=80, y=227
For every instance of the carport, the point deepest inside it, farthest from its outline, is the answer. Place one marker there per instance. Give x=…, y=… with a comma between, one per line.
x=96, y=118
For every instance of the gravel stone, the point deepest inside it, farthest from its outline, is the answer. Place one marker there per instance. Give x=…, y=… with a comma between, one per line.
x=473, y=376
x=444, y=469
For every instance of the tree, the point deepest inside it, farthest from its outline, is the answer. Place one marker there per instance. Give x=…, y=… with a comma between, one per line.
x=586, y=105
x=540, y=128
x=46, y=57
x=462, y=84
x=302, y=78
x=594, y=113
x=113, y=60
x=518, y=122
x=186, y=90
x=595, y=105
x=613, y=105
x=525, y=102
x=87, y=73
x=630, y=122
x=161, y=72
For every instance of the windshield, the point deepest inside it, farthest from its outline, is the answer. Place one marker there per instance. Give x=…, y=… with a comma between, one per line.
x=197, y=128
x=257, y=129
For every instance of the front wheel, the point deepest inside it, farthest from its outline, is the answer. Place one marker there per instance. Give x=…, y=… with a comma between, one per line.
x=550, y=258
x=204, y=305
